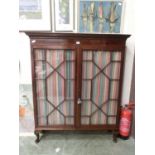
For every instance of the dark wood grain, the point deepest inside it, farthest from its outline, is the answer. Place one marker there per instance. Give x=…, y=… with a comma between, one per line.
x=77, y=42
x=49, y=35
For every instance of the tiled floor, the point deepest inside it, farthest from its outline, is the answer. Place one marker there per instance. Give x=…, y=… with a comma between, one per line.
x=76, y=144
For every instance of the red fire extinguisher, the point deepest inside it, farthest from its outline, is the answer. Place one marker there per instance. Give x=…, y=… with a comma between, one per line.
x=125, y=122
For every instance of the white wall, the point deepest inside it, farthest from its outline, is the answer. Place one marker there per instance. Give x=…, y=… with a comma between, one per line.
x=128, y=27
x=25, y=59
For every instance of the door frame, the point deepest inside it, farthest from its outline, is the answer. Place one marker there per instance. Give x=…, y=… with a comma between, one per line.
x=64, y=44
x=90, y=44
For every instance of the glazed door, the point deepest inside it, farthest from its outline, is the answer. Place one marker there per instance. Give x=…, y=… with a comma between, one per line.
x=100, y=87
x=54, y=78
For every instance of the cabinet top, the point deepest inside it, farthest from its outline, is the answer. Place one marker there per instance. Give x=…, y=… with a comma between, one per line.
x=48, y=35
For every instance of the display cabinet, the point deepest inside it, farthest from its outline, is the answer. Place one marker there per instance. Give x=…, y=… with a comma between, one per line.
x=77, y=81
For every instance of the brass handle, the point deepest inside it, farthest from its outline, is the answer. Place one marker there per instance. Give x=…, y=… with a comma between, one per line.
x=79, y=101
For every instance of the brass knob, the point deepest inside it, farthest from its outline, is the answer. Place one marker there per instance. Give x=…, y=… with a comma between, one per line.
x=79, y=101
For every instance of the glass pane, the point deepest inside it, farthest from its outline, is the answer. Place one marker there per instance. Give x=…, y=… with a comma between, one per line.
x=54, y=89
x=67, y=70
x=85, y=120
x=69, y=120
x=69, y=91
x=42, y=69
x=113, y=71
x=100, y=89
x=67, y=108
x=98, y=118
x=87, y=55
x=39, y=54
x=70, y=55
x=86, y=89
x=40, y=89
x=111, y=108
x=116, y=56
x=112, y=120
x=87, y=108
x=102, y=58
x=55, y=118
x=42, y=121
x=114, y=89
x=55, y=57
x=89, y=70
x=98, y=86
x=44, y=108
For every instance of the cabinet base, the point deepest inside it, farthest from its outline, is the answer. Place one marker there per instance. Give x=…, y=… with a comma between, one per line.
x=38, y=138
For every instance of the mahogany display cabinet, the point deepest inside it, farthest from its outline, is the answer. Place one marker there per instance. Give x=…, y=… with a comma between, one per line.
x=77, y=81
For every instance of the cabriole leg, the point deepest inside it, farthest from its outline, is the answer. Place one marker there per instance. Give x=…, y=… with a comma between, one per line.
x=37, y=136
x=115, y=134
